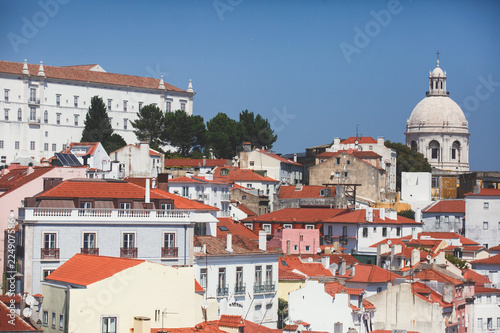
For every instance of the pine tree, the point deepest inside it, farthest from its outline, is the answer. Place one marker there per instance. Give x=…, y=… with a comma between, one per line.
x=97, y=123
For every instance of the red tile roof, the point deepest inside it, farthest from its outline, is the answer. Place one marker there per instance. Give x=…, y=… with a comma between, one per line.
x=297, y=215
x=370, y=274
x=203, y=327
x=361, y=154
x=17, y=177
x=16, y=324
x=480, y=279
x=485, y=192
x=332, y=288
x=197, y=287
x=6, y=299
x=246, y=210
x=368, y=305
x=361, y=140
x=306, y=191
x=91, y=147
x=334, y=257
x=484, y=290
x=447, y=235
x=182, y=203
x=235, y=228
x=216, y=246
x=446, y=206
x=278, y=157
x=493, y=260
x=231, y=321
x=427, y=294
x=191, y=162
x=251, y=327
x=310, y=269
x=359, y=216
x=76, y=270
x=495, y=248
x=83, y=74
x=288, y=275
x=434, y=275
x=235, y=174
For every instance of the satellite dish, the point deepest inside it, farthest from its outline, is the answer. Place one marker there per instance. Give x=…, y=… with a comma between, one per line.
x=204, y=305
x=389, y=242
x=318, y=250
x=30, y=300
x=310, y=259
x=428, y=257
x=27, y=312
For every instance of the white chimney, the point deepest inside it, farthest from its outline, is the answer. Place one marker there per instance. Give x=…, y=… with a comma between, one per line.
x=353, y=269
x=204, y=160
x=414, y=233
x=415, y=257
x=262, y=240
x=147, y=198
x=325, y=260
x=418, y=215
x=295, y=157
x=229, y=242
x=380, y=140
x=30, y=170
x=342, y=267
x=381, y=213
x=477, y=188
x=142, y=324
x=396, y=248
x=369, y=214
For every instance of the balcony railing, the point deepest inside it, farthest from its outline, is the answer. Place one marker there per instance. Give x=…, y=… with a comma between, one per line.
x=222, y=291
x=92, y=251
x=130, y=252
x=239, y=290
x=169, y=252
x=34, y=101
x=224, y=197
x=263, y=288
x=50, y=253
x=225, y=213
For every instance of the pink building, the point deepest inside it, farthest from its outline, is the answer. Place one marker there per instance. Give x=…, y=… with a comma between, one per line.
x=296, y=241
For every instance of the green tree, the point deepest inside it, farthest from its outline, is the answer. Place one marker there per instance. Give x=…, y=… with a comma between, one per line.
x=114, y=142
x=184, y=131
x=282, y=312
x=462, y=264
x=150, y=125
x=257, y=130
x=407, y=160
x=97, y=123
x=223, y=135
x=407, y=213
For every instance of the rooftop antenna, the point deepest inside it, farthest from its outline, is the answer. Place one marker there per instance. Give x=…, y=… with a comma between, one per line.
x=437, y=53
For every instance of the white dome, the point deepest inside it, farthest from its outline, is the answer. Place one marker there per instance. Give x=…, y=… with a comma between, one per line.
x=437, y=72
x=436, y=110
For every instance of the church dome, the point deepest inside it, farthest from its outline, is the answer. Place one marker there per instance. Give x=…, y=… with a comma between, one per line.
x=437, y=111
x=437, y=72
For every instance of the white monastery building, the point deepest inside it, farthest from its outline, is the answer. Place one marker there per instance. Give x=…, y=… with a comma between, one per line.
x=437, y=127
x=43, y=108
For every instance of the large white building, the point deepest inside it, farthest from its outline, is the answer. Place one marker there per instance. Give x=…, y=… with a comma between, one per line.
x=438, y=129
x=43, y=108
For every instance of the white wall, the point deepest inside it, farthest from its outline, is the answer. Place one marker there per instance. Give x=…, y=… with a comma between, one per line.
x=416, y=188
x=476, y=214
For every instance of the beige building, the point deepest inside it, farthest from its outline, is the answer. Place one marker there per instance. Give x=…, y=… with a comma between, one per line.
x=105, y=294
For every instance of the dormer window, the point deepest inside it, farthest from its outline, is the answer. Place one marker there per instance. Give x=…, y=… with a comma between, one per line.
x=224, y=172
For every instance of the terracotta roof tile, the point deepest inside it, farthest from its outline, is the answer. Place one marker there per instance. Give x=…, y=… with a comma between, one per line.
x=235, y=228
x=288, y=275
x=90, y=146
x=306, y=191
x=332, y=288
x=484, y=290
x=359, y=216
x=447, y=235
x=366, y=273
x=231, y=321
x=246, y=210
x=191, y=162
x=361, y=140
x=216, y=246
x=16, y=324
x=368, y=305
x=334, y=257
x=6, y=299
x=427, y=294
x=197, y=287
x=493, y=260
x=83, y=74
x=310, y=269
x=235, y=174
x=434, y=275
x=446, y=206
x=480, y=279
x=76, y=270
x=484, y=192
x=203, y=327
x=278, y=157
x=17, y=177
x=495, y=248
x=297, y=215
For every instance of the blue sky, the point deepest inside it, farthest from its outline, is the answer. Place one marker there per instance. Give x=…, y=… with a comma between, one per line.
x=284, y=59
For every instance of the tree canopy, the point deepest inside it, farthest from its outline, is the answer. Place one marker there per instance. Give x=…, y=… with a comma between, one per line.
x=223, y=135
x=98, y=127
x=184, y=131
x=407, y=160
x=257, y=130
x=150, y=125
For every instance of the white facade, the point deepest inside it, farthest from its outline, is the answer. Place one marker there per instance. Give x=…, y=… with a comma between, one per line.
x=98, y=159
x=138, y=161
x=482, y=223
x=438, y=129
x=486, y=312
x=416, y=189
x=43, y=108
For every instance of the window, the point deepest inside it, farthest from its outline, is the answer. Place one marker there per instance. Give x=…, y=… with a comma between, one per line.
x=16, y=145
x=223, y=172
x=58, y=119
x=89, y=240
x=61, y=322
x=266, y=228
x=169, y=239
x=76, y=120
x=330, y=230
x=45, y=318
x=344, y=231
x=76, y=101
x=58, y=100
x=169, y=106
x=109, y=325
x=47, y=272
x=251, y=163
x=19, y=114
x=49, y=241
x=295, y=247
x=239, y=279
x=485, y=225
x=125, y=106
x=125, y=122
x=109, y=104
x=249, y=225
x=398, y=231
x=346, y=174
x=348, y=162
x=365, y=232
x=185, y=191
x=203, y=277
x=258, y=275
x=125, y=205
x=1, y=144
x=337, y=174
x=54, y=147
x=287, y=226
x=183, y=106
x=489, y=323
x=200, y=229
x=32, y=94
x=498, y=322
x=6, y=114
x=379, y=289
x=486, y=205
x=53, y=322
x=128, y=240
x=434, y=147
x=45, y=116
x=384, y=232
x=140, y=106
x=488, y=298
x=308, y=248
x=480, y=323
x=249, y=185
x=309, y=226
x=243, y=197
x=46, y=147
x=374, y=230
x=32, y=145
x=32, y=113
x=222, y=278
x=337, y=161
x=6, y=95
x=269, y=274
x=165, y=206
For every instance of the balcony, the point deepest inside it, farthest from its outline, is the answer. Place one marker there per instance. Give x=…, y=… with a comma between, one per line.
x=50, y=254
x=34, y=101
x=264, y=288
x=224, y=197
x=92, y=251
x=224, y=213
x=222, y=291
x=130, y=252
x=169, y=252
x=239, y=290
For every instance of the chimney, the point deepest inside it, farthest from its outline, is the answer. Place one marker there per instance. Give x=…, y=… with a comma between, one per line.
x=325, y=260
x=391, y=214
x=147, y=198
x=211, y=153
x=342, y=266
x=142, y=324
x=414, y=233
x=336, y=144
x=396, y=248
x=153, y=183
x=477, y=188
x=369, y=214
x=353, y=269
x=262, y=240
x=30, y=170
x=380, y=140
x=204, y=160
x=418, y=215
x=144, y=151
x=382, y=248
x=381, y=213
x=295, y=158
x=49, y=183
x=5, y=171
x=163, y=181
x=415, y=257
x=229, y=242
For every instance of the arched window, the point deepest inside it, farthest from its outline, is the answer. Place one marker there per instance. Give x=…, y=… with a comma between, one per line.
x=455, y=151
x=19, y=114
x=434, y=147
x=414, y=145
x=46, y=116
